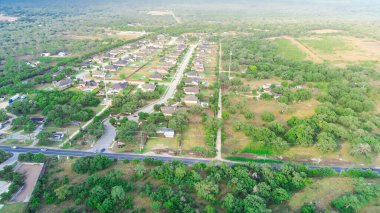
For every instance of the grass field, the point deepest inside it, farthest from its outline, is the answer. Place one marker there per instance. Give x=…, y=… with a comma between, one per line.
x=287, y=49
x=327, y=44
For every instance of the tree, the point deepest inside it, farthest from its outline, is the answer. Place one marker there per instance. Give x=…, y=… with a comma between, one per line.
x=3, y=115
x=280, y=195
x=156, y=206
x=207, y=190
x=254, y=203
x=62, y=192
x=179, y=121
x=308, y=208
x=326, y=142
x=301, y=134
x=118, y=193
x=267, y=116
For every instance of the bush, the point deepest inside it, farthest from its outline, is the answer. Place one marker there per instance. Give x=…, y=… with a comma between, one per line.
x=360, y=173
x=91, y=164
x=321, y=172
x=267, y=116
x=30, y=157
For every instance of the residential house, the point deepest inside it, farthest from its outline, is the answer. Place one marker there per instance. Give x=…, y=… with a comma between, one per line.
x=160, y=69
x=192, y=75
x=168, y=110
x=62, y=54
x=65, y=83
x=117, y=87
x=191, y=100
x=192, y=82
x=148, y=87
x=98, y=74
x=37, y=119
x=167, y=132
x=156, y=77
x=88, y=86
x=45, y=54
x=191, y=90
x=111, y=67
x=121, y=63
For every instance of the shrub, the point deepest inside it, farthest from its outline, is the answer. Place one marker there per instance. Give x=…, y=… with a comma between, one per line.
x=267, y=116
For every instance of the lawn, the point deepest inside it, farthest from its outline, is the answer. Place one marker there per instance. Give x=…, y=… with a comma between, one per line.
x=160, y=143
x=287, y=49
x=327, y=44
x=13, y=208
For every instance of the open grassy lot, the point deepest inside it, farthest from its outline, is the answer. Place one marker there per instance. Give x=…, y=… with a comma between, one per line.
x=13, y=208
x=17, y=142
x=194, y=135
x=327, y=44
x=287, y=49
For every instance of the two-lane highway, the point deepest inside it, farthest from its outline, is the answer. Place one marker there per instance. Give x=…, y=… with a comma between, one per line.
x=131, y=156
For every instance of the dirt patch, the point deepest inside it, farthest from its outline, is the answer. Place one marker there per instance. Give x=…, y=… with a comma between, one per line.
x=159, y=13
x=32, y=173
x=8, y=18
x=325, y=31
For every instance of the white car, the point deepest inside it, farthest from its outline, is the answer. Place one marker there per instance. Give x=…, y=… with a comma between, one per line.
x=44, y=150
x=14, y=147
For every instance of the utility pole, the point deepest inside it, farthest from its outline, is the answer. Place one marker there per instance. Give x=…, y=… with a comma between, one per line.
x=229, y=66
x=105, y=89
x=141, y=141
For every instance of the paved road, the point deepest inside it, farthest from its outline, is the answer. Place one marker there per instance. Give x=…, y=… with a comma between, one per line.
x=107, y=138
x=129, y=156
x=172, y=87
x=219, y=116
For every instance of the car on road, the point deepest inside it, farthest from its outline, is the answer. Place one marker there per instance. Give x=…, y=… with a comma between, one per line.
x=96, y=151
x=103, y=150
x=14, y=147
x=43, y=149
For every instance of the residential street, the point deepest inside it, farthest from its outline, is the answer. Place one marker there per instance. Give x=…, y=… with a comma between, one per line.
x=171, y=87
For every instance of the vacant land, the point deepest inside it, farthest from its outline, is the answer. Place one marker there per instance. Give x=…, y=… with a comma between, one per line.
x=322, y=192
x=325, y=31
x=32, y=173
x=348, y=49
x=13, y=208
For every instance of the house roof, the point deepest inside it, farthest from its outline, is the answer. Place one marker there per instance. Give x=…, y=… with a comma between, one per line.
x=148, y=86
x=191, y=89
x=191, y=98
x=165, y=129
x=111, y=67
x=64, y=82
x=191, y=80
x=119, y=86
x=156, y=75
x=168, y=109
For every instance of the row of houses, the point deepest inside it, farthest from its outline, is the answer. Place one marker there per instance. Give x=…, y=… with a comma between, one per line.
x=168, y=62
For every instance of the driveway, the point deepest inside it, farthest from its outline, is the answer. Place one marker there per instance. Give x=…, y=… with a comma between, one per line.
x=107, y=138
